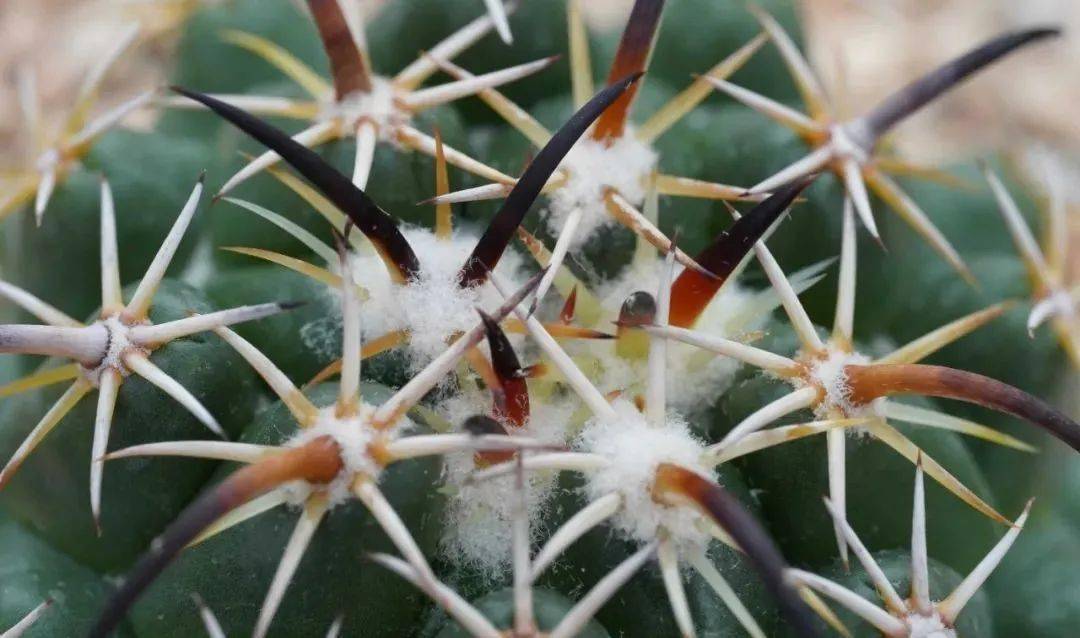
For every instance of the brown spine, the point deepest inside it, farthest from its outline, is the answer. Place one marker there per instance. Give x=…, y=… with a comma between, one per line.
x=347, y=64
x=871, y=382
x=633, y=54
x=747, y=532
x=318, y=461
x=692, y=291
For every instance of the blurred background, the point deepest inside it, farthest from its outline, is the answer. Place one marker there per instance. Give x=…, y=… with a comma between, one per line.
x=862, y=49
x=874, y=44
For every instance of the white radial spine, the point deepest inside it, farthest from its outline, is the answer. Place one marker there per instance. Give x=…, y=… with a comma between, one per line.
x=656, y=385
x=144, y=293
x=584, y=520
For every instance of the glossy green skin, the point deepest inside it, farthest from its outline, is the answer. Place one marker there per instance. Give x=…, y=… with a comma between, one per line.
x=32, y=572
x=925, y=292
x=724, y=141
x=305, y=340
x=730, y=144
x=1035, y=590
x=232, y=570
x=792, y=478
x=151, y=176
x=549, y=607
x=50, y=493
x=202, y=55
x=697, y=34
x=974, y=622
x=1003, y=350
x=960, y=211
x=300, y=342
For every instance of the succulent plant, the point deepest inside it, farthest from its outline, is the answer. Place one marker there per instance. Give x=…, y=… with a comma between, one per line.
x=393, y=426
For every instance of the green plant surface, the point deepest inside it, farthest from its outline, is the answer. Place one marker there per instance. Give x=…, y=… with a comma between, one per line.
x=549, y=606
x=50, y=492
x=976, y=620
x=641, y=605
x=232, y=572
x=150, y=175
x=543, y=394
x=33, y=572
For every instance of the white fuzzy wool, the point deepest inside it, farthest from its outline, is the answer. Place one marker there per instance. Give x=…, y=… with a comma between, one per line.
x=322, y=336
x=592, y=168
x=119, y=344
x=433, y=307
x=828, y=373
x=635, y=449
x=928, y=627
x=353, y=435
x=380, y=106
x=479, y=514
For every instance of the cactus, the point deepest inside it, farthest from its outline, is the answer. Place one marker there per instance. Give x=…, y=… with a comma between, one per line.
x=421, y=413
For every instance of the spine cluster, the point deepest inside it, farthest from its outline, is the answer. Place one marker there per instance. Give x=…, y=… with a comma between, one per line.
x=501, y=433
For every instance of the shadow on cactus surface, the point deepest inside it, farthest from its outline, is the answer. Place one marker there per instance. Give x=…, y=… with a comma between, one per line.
x=493, y=347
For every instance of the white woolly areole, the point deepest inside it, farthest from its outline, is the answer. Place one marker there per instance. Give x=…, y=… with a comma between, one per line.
x=380, y=106
x=828, y=374
x=731, y=313
x=920, y=626
x=592, y=167
x=479, y=514
x=119, y=344
x=433, y=307
x=635, y=449
x=353, y=436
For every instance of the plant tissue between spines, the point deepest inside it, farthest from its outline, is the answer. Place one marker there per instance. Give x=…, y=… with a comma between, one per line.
x=848, y=391
x=114, y=345
x=918, y=615
x=358, y=444
x=850, y=148
x=360, y=104
x=290, y=394
x=836, y=382
x=606, y=179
